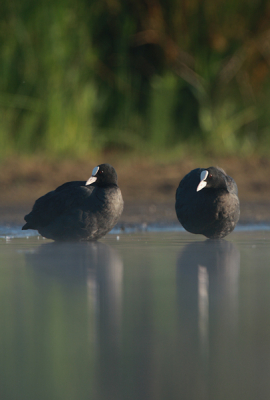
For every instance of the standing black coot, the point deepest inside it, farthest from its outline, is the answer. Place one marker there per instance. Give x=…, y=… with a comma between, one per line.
x=79, y=210
x=207, y=202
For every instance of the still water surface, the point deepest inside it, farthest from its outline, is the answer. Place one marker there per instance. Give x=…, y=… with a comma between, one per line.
x=146, y=316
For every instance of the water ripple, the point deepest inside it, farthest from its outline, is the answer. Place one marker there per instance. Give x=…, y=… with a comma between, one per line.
x=14, y=231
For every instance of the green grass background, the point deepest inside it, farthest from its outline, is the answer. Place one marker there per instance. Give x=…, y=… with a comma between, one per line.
x=134, y=76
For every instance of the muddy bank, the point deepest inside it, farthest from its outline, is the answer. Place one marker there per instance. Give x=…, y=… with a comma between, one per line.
x=148, y=187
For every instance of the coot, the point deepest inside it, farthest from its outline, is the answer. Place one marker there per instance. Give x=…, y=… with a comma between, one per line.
x=79, y=210
x=207, y=202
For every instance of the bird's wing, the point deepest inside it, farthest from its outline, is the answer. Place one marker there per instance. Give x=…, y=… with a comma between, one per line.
x=57, y=202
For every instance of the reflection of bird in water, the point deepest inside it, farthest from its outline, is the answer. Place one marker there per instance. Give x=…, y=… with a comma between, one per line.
x=85, y=273
x=207, y=288
x=95, y=261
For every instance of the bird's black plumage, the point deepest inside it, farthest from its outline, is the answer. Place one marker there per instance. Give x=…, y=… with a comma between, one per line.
x=207, y=202
x=79, y=210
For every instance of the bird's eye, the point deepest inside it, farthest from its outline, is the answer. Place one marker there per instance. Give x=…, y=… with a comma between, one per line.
x=100, y=171
x=210, y=176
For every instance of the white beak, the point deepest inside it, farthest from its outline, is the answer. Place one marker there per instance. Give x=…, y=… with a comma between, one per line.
x=203, y=182
x=92, y=179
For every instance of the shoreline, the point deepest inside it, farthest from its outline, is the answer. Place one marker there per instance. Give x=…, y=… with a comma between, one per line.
x=148, y=187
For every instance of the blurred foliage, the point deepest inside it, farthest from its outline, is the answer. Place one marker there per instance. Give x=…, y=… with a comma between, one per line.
x=134, y=75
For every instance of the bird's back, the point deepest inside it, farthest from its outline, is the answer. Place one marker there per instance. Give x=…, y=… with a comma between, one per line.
x=53, y=204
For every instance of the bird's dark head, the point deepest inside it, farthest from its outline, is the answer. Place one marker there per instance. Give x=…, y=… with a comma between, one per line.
x=103, y=175
x=212, y=177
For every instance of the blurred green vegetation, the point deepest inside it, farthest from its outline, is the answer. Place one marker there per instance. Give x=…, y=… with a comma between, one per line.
x=141, y=75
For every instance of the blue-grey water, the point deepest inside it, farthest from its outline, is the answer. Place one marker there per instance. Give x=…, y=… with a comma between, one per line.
x=153, y=314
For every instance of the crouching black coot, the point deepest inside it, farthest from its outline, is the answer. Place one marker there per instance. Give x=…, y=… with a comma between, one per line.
x=79, y=210
x=207, y=202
